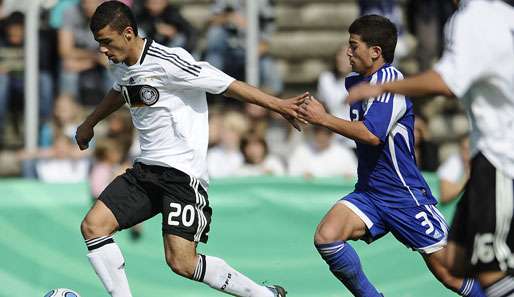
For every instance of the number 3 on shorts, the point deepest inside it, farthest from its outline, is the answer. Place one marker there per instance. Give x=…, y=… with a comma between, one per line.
x=425, y=221
x=177, y=214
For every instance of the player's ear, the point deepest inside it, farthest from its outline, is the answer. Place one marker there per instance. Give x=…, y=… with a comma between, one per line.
x=376, y=52
x=128, y=33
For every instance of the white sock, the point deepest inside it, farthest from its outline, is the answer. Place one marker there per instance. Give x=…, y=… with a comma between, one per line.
x=108, y=263
x=220, y=276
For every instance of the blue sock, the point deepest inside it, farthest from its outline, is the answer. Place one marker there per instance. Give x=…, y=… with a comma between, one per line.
x=346, y=266
x=471, y=287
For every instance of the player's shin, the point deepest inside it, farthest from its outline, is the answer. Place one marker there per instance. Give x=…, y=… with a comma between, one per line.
x=220, y=276
x=345, y=265
x=108, y=262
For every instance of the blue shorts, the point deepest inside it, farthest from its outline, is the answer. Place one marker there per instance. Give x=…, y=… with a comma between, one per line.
x=421, y=228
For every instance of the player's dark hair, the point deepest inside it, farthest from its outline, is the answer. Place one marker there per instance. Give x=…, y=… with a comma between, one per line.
x=376, y=30
x=115, y=14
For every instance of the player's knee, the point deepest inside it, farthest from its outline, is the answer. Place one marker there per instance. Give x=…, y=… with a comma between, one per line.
x=180, y=266
x=326, y=234
x=91, y=229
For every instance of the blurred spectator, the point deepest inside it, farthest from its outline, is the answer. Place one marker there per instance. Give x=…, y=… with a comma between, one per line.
x=121, y=130
x=258, y=117
x=257, y=160
x=162, y=22
x=108, y=163
x=225, y=158
x=322, y=157
x=66, y=118
x=63, y=162
x=12, y=71
x=332, y=91
x=226, y=41
x=426, y=20
x=83, y=72
x=454, y=172
x=281, y=137
x=426, y=151
x=215, y=125
x=391, y=10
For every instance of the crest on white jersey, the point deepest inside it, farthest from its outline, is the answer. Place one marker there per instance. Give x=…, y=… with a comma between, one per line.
x=149, y=95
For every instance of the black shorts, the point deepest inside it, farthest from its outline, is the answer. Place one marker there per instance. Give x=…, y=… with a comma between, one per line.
x=482, y=224
x=146, y=190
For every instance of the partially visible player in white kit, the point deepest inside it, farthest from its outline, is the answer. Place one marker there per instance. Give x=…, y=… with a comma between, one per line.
x=165, y=89
x=478, y=68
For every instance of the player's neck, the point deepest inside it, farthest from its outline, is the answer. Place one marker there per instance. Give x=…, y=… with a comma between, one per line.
x=374, y=68
x=135, y=51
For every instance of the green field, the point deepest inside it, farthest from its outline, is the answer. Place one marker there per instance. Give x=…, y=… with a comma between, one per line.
x=262, y=227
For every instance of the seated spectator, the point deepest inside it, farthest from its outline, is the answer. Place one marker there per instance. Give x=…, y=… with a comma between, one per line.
x=63, y=162
x=257, y=160
x=162, y=22
x=454, y=172
x=107, y=164
x=225, y=158
x=66, y=118
x=83, y=72
x=226, y=42
x=321, y=156
x=121, y=130
x=332, y=91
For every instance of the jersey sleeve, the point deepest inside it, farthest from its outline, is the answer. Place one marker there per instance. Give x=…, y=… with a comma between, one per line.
x=464, y=60
x=184, y=71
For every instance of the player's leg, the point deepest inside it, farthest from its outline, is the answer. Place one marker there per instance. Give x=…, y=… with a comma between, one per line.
x=345, y=221
x=182, y=258
x=460, y=285
x=186, y=220
x=486, y=247
x=423, y=228
x=104, y=254
x=122, y=205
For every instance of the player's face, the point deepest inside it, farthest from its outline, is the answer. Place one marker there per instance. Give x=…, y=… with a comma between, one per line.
x=360, y=54
x=113, y=44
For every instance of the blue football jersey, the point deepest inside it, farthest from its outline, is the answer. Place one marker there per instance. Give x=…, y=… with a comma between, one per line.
x=388, y=172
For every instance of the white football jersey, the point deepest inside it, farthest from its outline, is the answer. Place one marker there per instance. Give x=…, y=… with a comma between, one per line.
x=478, y=67
x=166, y=92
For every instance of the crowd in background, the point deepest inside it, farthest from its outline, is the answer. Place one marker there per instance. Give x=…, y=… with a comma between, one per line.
x=245, y=140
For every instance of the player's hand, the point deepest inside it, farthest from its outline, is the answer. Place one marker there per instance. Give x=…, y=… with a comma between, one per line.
x=290, y=107
x=83, y=135
x=363, y=91
x=312, y=111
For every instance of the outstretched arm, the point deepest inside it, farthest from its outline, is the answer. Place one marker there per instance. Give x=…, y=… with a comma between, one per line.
x=288, y=108
x=426, y=83
x=110, y=103
x=313, y=112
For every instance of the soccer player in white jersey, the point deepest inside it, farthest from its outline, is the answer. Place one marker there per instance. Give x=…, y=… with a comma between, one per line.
x=165, y=89
x=391, y=195
x=477, y=67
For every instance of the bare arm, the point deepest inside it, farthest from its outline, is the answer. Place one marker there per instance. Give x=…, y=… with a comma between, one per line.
x=110, y=103
x=315, y=113
x=288, y=108
x=426, y=83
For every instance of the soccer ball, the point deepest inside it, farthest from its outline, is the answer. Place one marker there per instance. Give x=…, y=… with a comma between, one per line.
x=61, y=292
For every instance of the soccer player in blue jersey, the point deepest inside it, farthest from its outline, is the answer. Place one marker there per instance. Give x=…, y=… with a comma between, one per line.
x=391, y=194
x=477, y=67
